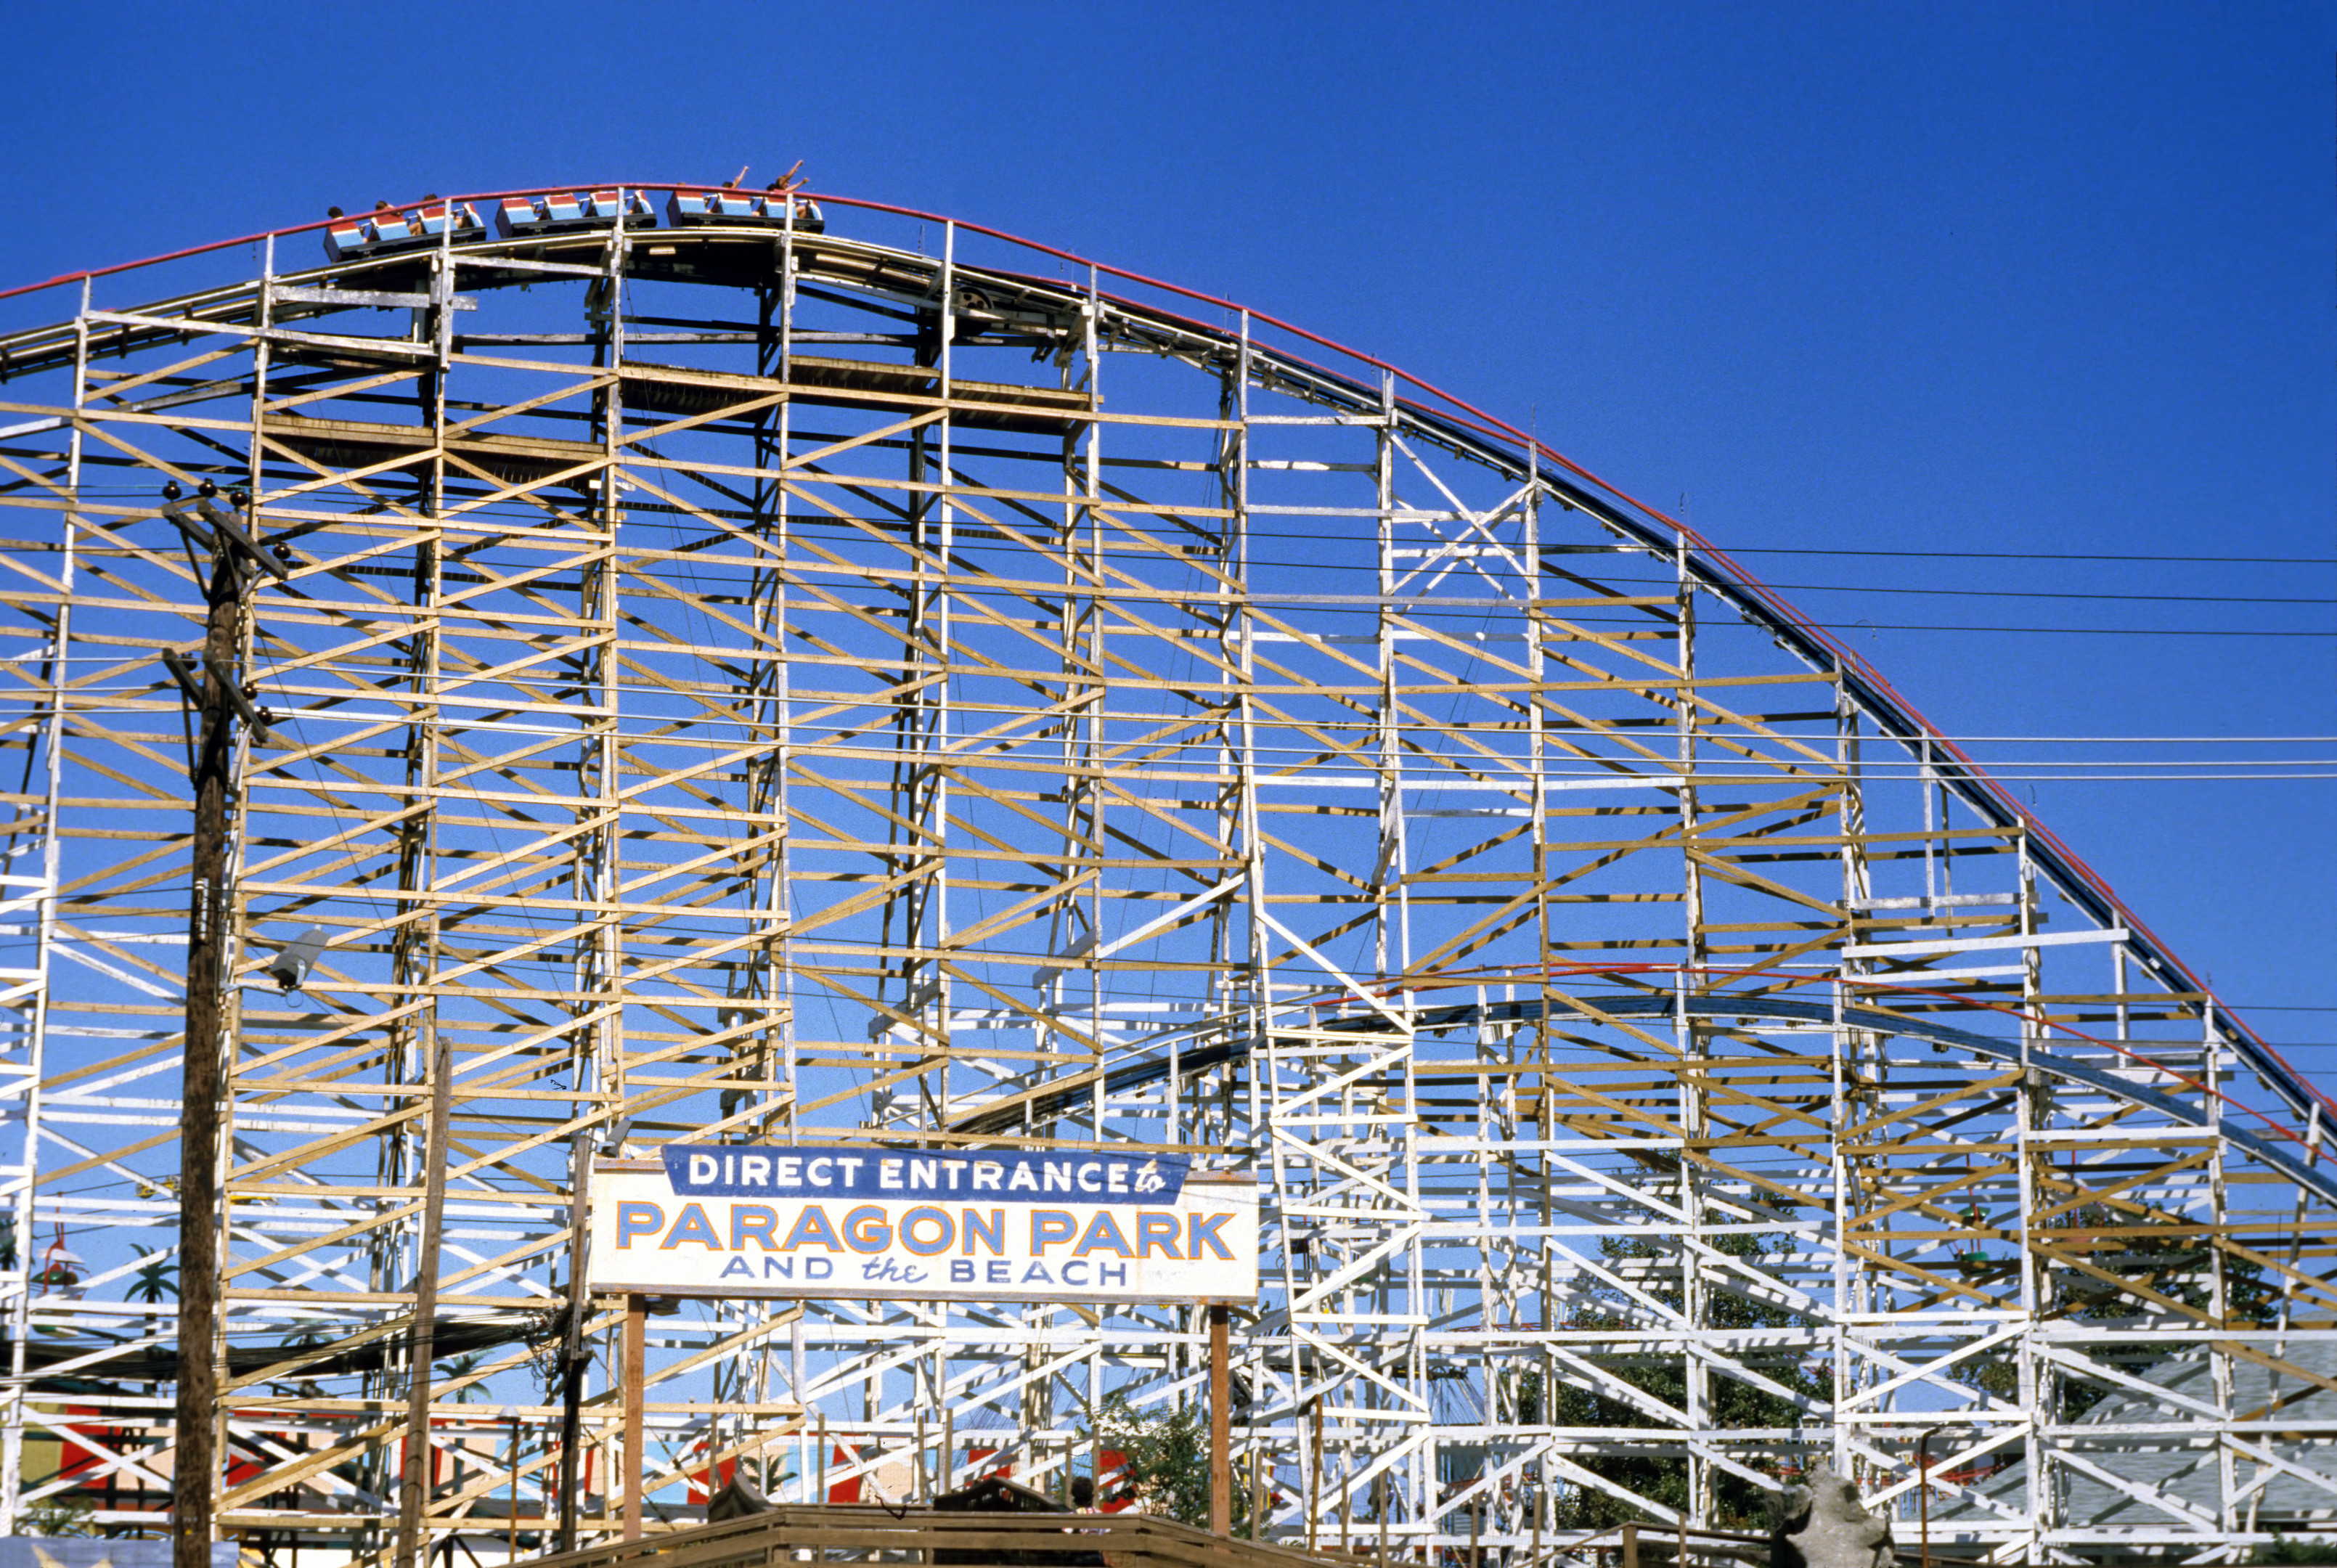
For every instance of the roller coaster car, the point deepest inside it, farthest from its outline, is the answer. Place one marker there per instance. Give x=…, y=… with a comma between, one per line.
x=521, y=216
x=741, y=209
x=377, y=233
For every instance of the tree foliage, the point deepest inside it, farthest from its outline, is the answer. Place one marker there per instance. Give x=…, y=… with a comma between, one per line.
x=2177, y=1268
x=154, y=1282
x=60, y=1517
x=1740, y=1504
x=1167, y=1458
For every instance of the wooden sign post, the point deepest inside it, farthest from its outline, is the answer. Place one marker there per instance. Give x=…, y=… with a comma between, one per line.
x=1221, y=1403
x=636, y=1376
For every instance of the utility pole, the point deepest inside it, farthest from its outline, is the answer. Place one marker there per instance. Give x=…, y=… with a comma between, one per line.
x=574, y=1356
x=216, y=700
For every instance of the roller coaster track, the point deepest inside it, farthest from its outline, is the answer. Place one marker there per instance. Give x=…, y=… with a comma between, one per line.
x=773, y=682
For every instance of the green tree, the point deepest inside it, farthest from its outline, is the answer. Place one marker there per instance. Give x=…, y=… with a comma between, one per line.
x=462, y=1367
x=2284, y=1551
x=1167, y=1460
x=2177, y=1268
x=154, y=1281
x=1741, y=1503
x=60, y=1515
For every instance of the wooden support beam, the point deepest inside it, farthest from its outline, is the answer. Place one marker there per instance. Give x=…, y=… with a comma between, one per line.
x=1221, y=1401
x=634, y=1391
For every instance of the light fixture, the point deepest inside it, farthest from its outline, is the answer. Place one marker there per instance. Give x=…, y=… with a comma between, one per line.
x=292, y=965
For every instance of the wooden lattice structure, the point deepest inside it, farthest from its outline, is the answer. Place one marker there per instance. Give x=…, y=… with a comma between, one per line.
x=769, y=680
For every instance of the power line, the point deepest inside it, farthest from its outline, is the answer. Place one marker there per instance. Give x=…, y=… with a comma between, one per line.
x=1853, y=627
x=2141, y=739
x=2009, y=593
x=2043, y=555
x=646, y=513
x=148, y=690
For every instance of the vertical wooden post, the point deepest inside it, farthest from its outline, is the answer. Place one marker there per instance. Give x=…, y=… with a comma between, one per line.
x=1221, y=1407
x=195, y=1472
x=416, y=1463
x=514, y=1532
x=573, y=1355
x=572, y=1482
x=1924, y=1483
x=1314, y=1471
x=636, y=1381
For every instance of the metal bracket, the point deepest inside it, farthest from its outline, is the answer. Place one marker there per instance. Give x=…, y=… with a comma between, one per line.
x=233, y=532
x=176, y=663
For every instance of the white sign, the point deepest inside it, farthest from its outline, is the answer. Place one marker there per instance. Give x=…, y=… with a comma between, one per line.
x=1014, y=1226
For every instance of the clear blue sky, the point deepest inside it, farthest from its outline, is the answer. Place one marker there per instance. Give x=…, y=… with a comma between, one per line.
x=1955, y=277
